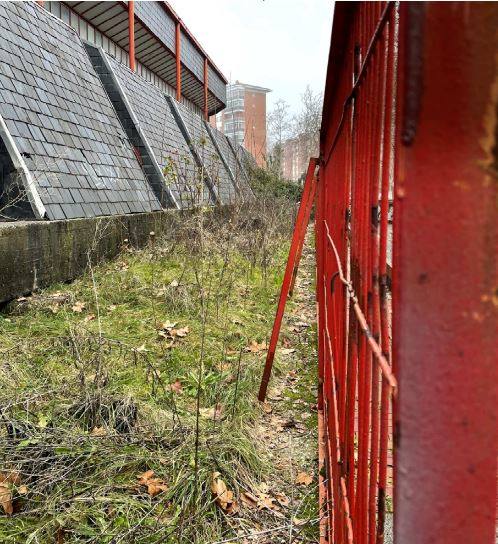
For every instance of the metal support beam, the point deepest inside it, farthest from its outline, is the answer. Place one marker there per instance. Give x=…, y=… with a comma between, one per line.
x=131, y=33
x=206, y=91
x=445, y=286
x=178, y=54
x=302, y=219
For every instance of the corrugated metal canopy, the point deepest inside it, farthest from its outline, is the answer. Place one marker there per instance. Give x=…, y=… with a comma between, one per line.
x=111, y=18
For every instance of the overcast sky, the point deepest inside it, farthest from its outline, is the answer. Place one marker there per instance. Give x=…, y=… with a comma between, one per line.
x=279, y=44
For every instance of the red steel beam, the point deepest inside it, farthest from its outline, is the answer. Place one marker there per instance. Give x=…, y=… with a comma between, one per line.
x=178, y=55
x=206, y=89
x=131, y=33
x=302, y=219
x=445, y=278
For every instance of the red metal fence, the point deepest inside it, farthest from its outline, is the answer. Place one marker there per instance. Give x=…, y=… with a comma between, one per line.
x=406, y=273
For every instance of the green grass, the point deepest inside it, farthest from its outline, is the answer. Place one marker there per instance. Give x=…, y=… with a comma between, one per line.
x=69, y=379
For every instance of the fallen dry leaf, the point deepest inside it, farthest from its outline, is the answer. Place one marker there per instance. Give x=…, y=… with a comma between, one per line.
x=6, y=499
x=297, y=521
x=141, y=349
x=78, y=307
x=249, y=499
x=176, y=386
x=214, y=412
x=181, y=333
x=90, y=317
x=303, y=479
x=223, y=496
x=98, y=431
x=282, y=499
x=267, y=407
x=7, y=480
x=167, y=325
x=287, y=351
x=174, y=283
x=254, y=347
x=154, y=485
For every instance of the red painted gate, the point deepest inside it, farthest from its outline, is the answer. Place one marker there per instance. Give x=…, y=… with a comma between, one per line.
x=406, y=273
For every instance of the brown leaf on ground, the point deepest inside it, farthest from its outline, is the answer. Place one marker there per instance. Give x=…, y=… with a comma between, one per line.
x=168, y=325
x=176, y=386
x=154, y=485
x=7, y=480
x=90, y=317
x=267, y=407
x=214, y=412
x=78, y=307
x=223, y=496
x=98, y=431
x=282, y=499
x=303, y=478
x=181, y=333
x=254, y=347
x=297, y=521
x=249, y=499
x=6, y=499
x=287, y=351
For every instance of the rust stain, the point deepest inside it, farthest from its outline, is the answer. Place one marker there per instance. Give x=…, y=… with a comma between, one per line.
x=489, y=142
x=463, y=185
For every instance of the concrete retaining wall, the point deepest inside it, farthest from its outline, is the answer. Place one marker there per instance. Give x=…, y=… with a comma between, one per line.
x=36, y=254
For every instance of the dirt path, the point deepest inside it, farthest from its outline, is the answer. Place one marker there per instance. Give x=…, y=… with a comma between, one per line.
x=288, y=428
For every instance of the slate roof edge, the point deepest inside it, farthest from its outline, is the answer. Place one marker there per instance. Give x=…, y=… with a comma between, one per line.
x=17, y=160
x=180, y=121
x=136, y=122
x=222, y=157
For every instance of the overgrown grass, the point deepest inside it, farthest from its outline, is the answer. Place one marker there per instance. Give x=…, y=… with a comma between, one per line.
x=97, y=386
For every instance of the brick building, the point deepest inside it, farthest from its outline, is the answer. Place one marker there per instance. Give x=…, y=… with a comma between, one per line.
x=244, y=119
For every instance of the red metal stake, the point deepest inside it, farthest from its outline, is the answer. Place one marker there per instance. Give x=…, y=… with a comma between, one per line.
x=303, y=216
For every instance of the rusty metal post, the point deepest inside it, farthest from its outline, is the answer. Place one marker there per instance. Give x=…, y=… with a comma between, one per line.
x=178, y=55
x=297, y=242
x=445, y=297
x=206, y=89
x=131, y=33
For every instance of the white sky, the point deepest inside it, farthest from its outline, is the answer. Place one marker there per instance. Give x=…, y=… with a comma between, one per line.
x=279, y=44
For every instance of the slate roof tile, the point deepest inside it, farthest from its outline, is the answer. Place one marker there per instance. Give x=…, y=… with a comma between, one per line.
x=51, y=86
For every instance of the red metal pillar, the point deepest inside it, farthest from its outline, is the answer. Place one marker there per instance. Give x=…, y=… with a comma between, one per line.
x=178, y=54
x=131, y=33
x=206, y=90
x=445, y=285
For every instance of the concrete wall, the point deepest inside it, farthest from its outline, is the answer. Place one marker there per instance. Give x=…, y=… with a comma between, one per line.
x=36, y=254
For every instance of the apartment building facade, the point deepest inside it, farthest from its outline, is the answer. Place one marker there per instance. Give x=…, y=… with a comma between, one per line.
x=244, y=119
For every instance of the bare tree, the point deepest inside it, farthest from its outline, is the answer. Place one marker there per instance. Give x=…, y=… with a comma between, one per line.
x=306, y=124
x=279, y=127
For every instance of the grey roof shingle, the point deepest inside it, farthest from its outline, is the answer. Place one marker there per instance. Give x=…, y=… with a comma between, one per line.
x=63, y=122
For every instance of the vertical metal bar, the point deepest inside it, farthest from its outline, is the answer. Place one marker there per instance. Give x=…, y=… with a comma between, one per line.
x=386, y=186
x=178, y=58
x=131, y=33
x=302, y=220
x=206, y=90
x=445, y=285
